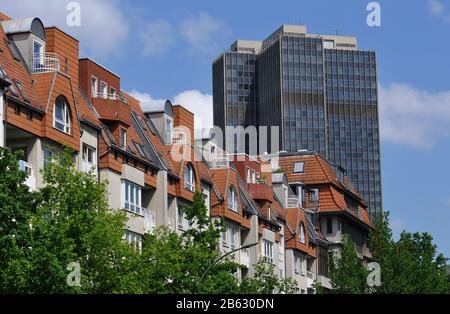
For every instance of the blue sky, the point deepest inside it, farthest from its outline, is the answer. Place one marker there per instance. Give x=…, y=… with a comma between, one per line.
x=164, y=49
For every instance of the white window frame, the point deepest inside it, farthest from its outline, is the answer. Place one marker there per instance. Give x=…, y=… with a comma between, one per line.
x=123, y=138
x=189, y=184
x=134, y=238
x=133, y=192
x=301, y=234
x=232, y=199
x=225, y=240
x=87, y=151
x=249, y=178
x=41, y=54
x=94, y=86
x=299, y=167
x=104, y=92
x=47, y=160
x=267, y=251
x=180, y=215
x=253, y=176
x=232, y=235
x=66, y=116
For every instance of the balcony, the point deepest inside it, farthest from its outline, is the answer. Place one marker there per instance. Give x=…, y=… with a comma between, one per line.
x=292, y=201
x=261, y=191
x=112, y=109
x=45, y=62
x=28, y=169
x=105, y=96
x=245, y=258
x=309, y=279
x=174, y=137
x=219, y=162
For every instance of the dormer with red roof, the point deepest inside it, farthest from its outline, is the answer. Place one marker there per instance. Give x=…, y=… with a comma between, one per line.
x=327, y=193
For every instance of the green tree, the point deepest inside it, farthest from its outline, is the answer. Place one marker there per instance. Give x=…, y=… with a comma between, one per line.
x=17, y=205
x=410, y=265
x=266, y=281
x=347, y=272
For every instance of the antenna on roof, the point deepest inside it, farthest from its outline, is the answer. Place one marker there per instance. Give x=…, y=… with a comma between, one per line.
x=337, y=31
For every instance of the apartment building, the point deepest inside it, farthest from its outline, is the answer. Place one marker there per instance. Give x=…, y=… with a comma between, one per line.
x=320, y=90
x=333, y=204
x=289, y=216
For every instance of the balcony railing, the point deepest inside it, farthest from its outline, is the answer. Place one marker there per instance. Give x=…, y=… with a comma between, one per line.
x=219, y=162
x=175, y=137
x=293, y=201
x=28, y=169
x=105, y=95
x=45, y=62
x=245, y=258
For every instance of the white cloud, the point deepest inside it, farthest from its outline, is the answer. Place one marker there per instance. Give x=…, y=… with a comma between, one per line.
x=438, y=9
x=193, y=100
x=413, y=117
x=157, y=37
x=148, y=103
x=204, y=32
x=198, y=103
x=435, y=7
x=103, y=30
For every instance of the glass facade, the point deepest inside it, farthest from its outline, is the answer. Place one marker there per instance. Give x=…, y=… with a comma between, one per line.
x=352, y=116
x=323, y=98
x=303, y=94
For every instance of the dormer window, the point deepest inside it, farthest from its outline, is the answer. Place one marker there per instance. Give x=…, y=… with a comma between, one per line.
x=298, y=167
x=301, y=234
x=94, y=86
x=189, y=178
x=61, y=115
x=123, y=138
x=38, y=55
x=103, y=89
x=232, y=199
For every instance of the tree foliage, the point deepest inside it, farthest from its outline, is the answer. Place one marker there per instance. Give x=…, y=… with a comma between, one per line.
x=68, y=221
x=347, y=272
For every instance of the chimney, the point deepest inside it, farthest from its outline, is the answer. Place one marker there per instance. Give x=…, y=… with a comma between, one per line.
x=185, y=119
x=67, y=48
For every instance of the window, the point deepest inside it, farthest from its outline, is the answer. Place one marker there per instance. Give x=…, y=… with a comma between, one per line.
x=48, y=156
x=189, y=178
x=329, y=225
x=249, y=178
x=104, y=89
x=229, y=236
x=61, y=115
x=94, y=86
x=88, y=158
x=113, y=92
x=298, y=167
x=38, y=55
x=267, y=253
x=232, y=199
x=253, y=176
x=300, y=265
x=341, y=227
x=225, y=237
x=123, y=138
x=180, y=218
x=313, y=195
x=135, y=239
x=141, y=150
x=131, y=196
x=328, y=44
x=168, y=129
x=301, y=233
